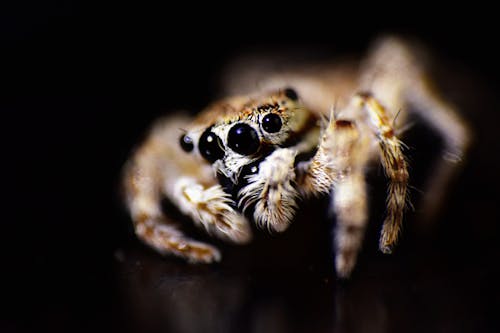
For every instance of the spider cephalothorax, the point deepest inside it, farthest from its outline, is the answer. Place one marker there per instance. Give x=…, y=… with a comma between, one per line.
x=267, y=148
x=244, y=130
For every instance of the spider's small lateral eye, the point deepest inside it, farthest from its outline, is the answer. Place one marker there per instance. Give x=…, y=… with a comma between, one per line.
x=243, y=139
x=210, y=146
x=186, y=143
x=291, y=94
x=271, y=123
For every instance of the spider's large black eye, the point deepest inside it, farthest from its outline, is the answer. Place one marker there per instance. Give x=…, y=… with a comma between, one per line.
x=210, y=146
x=292, y=94
x=186, y=143
x=243, y=139
x=271, y=123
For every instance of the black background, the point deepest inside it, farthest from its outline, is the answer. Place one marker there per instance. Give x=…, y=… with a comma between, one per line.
x=80, y=82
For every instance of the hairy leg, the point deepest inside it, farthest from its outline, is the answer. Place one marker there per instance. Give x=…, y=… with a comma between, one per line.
x=457, y=138
x=339, y=165
x=143, y=189
x=395, y=73
x=335, y=154
x=395, y=167
x=349, y=204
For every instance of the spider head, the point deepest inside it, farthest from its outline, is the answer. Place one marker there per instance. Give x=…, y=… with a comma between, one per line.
x=237, y=133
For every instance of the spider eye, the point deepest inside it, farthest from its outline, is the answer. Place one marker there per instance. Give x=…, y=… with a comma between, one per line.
x=210, y=146
x=186, y=143
x=291, y=94
x=243, y=139
x=271, y=123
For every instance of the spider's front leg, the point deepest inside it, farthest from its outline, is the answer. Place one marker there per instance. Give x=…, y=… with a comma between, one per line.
x=339, y=165
x=161, y=168
x=395, y=166
x=272, y=191
x=398, y=78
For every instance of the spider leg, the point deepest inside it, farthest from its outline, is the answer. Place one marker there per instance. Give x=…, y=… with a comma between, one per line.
x=272, y=191
x=349, y=200
x=395, y=167
x=396, y=75
x=339, y=165
x=318, y=175
x=160, y=168
x=455, y=132
x=349, y=204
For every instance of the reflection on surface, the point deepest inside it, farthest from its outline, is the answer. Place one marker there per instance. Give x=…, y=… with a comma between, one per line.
x=411, y=292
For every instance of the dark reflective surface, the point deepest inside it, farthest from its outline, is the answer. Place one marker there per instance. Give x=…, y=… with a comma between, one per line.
x=418, y=295
x=79, y=86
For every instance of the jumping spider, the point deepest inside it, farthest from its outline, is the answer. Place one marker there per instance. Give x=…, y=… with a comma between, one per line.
x=253, y=156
